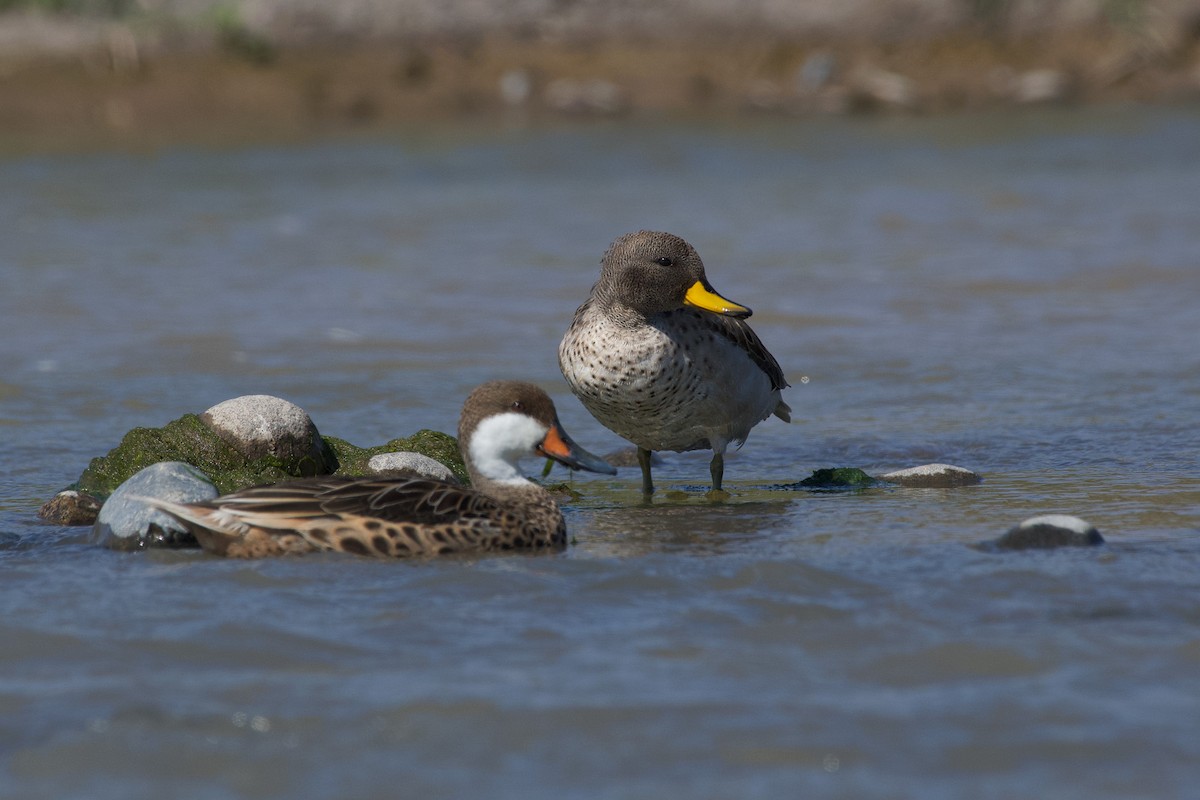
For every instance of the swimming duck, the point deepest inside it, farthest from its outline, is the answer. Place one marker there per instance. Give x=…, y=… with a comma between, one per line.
x=501, y=423
x=663, y=360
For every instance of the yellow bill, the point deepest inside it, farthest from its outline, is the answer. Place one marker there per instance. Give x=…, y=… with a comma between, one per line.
x=702, y=296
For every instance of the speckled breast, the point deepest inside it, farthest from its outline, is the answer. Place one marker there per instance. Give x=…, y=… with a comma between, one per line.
x=657, y=385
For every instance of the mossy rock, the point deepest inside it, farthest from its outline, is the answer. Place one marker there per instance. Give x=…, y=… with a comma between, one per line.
x=438, y=446
x=837, y=478
x=189, y=440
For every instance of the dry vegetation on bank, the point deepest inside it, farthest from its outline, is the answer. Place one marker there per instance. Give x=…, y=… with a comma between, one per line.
x=78, y=72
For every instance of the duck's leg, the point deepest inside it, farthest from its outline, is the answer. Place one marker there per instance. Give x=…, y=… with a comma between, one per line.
x=717, y=468
x=644, y=456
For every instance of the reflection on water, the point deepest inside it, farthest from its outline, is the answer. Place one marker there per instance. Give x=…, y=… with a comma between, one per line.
x=697, y=527
x=1016, y=295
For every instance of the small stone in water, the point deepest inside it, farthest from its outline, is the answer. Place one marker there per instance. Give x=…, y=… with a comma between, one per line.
x=70, y=507
x=933, y=476
x=1049, y=531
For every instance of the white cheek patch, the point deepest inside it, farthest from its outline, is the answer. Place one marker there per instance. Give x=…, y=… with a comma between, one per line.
x=500, y=441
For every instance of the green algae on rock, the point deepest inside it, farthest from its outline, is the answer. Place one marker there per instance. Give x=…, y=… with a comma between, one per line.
x=836, y=478
x=190, y=440
x=441, y=447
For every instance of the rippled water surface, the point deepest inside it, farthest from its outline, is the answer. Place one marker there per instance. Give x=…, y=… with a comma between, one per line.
x=1018, y=295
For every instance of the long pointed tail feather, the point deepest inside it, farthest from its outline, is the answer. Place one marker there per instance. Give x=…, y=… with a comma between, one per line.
x=214, y=528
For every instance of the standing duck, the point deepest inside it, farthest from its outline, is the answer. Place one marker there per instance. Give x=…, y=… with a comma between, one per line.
x=661, y=359
x=501, y=423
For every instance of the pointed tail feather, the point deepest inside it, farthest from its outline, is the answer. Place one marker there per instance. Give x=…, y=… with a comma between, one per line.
x=214, y=530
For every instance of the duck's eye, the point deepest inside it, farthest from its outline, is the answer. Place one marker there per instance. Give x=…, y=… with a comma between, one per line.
x=664, y=261
x=518, y=405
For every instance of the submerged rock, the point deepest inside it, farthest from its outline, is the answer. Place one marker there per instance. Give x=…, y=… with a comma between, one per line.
x=835, y=478
x=933, y=476
x=1047, y=532
x=939, y=476
x=128, y=523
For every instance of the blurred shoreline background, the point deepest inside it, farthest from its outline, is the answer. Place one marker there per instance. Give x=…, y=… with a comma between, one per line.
x=82, y=74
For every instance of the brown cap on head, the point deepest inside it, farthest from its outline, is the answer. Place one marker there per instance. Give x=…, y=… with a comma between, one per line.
x=499, y=397
x=519, y=397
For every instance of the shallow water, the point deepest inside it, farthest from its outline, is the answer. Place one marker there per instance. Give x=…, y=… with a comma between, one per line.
x=1014, y=294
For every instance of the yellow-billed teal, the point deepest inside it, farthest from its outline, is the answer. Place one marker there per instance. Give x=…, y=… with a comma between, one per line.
x=663, y=360
x=501, y=423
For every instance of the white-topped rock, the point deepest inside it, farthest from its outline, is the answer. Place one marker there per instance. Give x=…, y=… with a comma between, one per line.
x=1049, y=531
x=410, y=464
x=258, y=425
x=933, y=476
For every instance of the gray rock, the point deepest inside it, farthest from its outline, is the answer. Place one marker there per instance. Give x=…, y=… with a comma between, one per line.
x=1049, y=531
x=258, y=425
x=128, y=523
x=933, y=476
x=410, y=464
